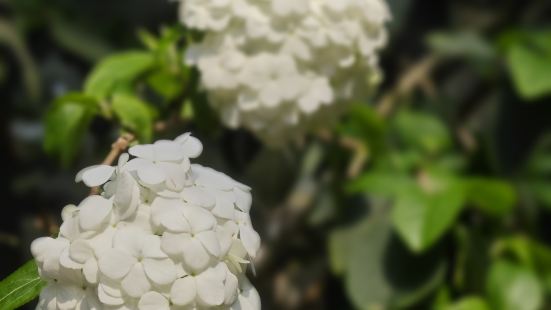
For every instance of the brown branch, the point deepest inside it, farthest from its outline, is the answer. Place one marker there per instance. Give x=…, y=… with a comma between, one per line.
x=417, y=76
x=119, y=146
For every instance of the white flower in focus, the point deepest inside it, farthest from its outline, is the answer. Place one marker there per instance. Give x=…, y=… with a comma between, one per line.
x=282, y=67
x=163, y=234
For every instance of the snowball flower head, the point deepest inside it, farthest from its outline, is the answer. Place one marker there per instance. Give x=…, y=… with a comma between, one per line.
x=163, y=234
x=283, y=67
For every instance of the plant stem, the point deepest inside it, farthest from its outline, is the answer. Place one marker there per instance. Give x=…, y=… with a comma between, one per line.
x=119, y=146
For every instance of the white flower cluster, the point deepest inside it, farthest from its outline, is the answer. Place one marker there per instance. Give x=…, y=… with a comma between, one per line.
x=282, y=67
x=164, y=234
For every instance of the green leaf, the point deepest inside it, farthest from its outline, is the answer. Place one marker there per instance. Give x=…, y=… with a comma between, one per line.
x=469, y=303
x=492, y=196
x=135, y=115
x=30, y=75
x=66, y=123
x=513, y=287
x=121, y=68
x=529, y=61
x=363, y=122
x=461, y=44
x=79, y=41
x=421, y=217
x=529, y=253
x=381, y=183
x=167, y=84
x=422, y=131
x=379, y=271
x=20, y=287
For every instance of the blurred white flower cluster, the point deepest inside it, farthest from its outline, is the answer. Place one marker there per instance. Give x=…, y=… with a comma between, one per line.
x=282, y=67
x=164, y=234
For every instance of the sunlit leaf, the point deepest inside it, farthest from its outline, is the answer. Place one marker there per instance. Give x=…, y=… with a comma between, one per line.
x=513, y=287
x=134, y=115
x=20, y=287
x=529, y=60
x=469, y=303
x=119, y=68
x=421, y=217
x=493, y=196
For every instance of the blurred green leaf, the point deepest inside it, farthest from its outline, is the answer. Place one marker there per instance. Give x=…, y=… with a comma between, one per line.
x=423, y=131
x=387, y=184
x=121, y=68
x=380, y=272
x=81, y=42
x=66, y=123
x=493, y=196
x=135, y=115
x=10, y=37
x=167, y=84
x=530, y=254
x=461, y=44
x=422, y=216
x=20, y=287
x=469, y=303
x=513, y=287
x=364, y=123
x=529, y=61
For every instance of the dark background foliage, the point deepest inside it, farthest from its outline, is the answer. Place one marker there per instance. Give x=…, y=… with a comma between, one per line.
x=460, y=125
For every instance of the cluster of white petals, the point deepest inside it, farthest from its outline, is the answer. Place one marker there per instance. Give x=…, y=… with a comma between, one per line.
x=164, y=234
x=282, y=67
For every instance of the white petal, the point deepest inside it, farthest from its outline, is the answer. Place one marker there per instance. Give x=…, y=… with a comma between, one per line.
x=199, y=219
x=250, y=239
x=209, y=240
x=68, y=212
x=106, y=298
x=175, y=222
x=95, y=175
x=115, y=263
x=123, y=159
x=80, y=251
x=66, y=261
x=231, y=288
x=127, y=195
x=192, y=147
x=211, y=178
x=131, y=240
x=210, y=288
x=68, y=296
x=135, y=284
x=248, y=298
x=70, y=228
x=195, y=255
x=153, y=301
x=173, y=244
x=176, y=176
x=142, y=151
x=243, y=199
x=48, y=298
x=197, y=196
x=90, y=271
x=183, y=291
x=94, y=212
x=160, y=271
x=152, y=247
x=137, y=164
x=151, y=175
x=168, y=151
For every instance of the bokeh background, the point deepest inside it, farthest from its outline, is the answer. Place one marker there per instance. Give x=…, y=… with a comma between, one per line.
x=432, y=194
